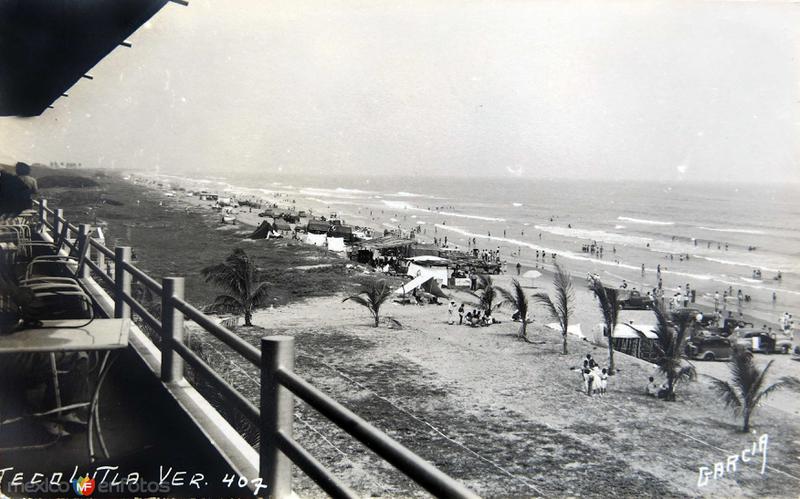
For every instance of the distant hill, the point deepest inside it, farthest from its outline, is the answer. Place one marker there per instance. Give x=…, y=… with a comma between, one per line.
x=74, y=181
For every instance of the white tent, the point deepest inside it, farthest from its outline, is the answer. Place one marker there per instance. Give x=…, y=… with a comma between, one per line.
x=574, y=329
x=336, y=244
x=316, y=239
x=438, y=273
x=412, y=284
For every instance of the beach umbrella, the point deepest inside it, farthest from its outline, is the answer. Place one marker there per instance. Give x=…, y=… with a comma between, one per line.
x=532, y=275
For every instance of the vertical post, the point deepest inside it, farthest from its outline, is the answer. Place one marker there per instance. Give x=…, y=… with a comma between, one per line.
x=171, y=330
x=85, y=250
x=57, y=221
x=277, y=414
x=101, y=260
x=42, y=213
x=122, y=282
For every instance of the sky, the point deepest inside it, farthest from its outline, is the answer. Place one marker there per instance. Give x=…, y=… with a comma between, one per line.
x=676, y=90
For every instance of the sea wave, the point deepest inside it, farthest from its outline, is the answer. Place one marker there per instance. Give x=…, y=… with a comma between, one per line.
x=751, y=264
x=401, y=205
x=738, y=231
x=328, y=193
x=517, y=204
x=330, y=201
x=473, y=217
x=595, y=235
x=644, y=221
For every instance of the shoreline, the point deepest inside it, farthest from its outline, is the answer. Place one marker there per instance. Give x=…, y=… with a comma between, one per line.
x=611, y=271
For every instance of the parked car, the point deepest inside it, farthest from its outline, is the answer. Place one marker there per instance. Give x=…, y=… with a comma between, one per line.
x=710, y=347
x=761, y=341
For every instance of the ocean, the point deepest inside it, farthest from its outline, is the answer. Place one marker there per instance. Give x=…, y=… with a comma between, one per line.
x=727, y=230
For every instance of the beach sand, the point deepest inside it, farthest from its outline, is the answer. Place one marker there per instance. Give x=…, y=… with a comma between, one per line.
x=505, y=417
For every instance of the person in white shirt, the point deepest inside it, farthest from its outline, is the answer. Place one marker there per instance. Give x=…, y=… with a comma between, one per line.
x=603, y=381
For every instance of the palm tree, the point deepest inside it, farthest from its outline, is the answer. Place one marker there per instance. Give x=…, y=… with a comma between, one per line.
x=373, y=297
x=608, y=299
x=670, y=350
x=489, y=294
x=241, y=280
x=561, y=309
x=746, y=389
x=517, y=299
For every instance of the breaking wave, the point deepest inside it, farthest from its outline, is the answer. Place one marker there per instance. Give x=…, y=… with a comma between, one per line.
x=738, y=231
x=644, y=221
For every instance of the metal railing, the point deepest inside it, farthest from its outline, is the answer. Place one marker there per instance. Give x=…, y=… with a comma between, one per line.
x=274, y=417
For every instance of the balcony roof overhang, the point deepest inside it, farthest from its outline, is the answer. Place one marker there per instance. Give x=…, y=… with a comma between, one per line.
x=46, y=46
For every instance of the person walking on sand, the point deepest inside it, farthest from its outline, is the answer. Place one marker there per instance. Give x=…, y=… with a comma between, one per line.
x=450, y=310
x=461, y=314
x=519, y=267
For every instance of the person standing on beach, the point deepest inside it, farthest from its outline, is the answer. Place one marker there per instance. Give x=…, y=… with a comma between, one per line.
x=461, y=314
x=450, y=310
x=519, y=267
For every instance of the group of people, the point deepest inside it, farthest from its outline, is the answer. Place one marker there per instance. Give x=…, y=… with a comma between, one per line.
x=653, y=389
x=595, y=378
x=474, y=318
x=593, y=249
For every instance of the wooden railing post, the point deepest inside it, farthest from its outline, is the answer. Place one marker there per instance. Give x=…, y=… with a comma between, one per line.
x=171, y=329
x=277, y=415
x=84, y=233
x=57, y=221
x=122, y=282
x=101, y=260
x=42, y=214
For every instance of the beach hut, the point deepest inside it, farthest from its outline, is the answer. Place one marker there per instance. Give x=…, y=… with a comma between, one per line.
x=318, y=227
x=634, y=335
x=282, y=228
x=342, y=231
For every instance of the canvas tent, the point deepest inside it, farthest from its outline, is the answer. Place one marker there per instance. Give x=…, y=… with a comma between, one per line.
x=262, y=232
x=336, y=244
x=426, y=282
x=573, y=329
x=439, y=273
x=316, y=239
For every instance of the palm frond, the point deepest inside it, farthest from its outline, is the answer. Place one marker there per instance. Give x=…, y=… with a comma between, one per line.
x=358, y=299
x=728, y=394
x=785, y=382
x=544, y=300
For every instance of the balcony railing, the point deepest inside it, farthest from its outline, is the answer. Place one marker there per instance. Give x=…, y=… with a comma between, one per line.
x=278, y=451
